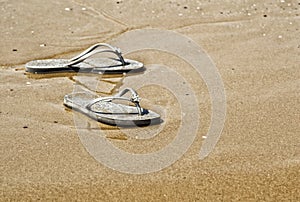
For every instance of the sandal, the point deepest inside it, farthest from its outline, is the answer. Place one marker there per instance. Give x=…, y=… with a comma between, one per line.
x=104, y=110
x=84, y=63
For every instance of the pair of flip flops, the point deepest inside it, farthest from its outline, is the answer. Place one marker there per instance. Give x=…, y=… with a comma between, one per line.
x=102, y=109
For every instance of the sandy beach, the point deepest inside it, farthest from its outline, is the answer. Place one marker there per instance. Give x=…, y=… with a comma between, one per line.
x=255, y=47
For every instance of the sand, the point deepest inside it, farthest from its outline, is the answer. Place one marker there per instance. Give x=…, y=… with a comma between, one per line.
x=255, y=46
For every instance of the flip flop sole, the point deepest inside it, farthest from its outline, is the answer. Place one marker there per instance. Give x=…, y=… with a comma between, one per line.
x=111, y=113
x=91, y=65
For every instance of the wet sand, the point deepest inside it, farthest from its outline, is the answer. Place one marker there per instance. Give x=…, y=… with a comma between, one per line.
x=255, y=46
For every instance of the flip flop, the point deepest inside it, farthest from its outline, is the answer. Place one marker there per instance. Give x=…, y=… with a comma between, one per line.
x=104, y=110
x=84, y=63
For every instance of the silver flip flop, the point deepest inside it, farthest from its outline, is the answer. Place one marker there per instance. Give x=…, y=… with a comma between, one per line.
x=104, y=110
x=84, y=63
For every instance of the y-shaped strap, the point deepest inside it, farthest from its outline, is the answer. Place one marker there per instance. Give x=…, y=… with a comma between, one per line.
x=93, y=50
x=134, y=99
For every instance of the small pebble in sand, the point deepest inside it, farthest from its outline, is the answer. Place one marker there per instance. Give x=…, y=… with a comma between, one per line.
x=282, y=1
x=83, y=9
x=25, y=126
x=14, y=50
x=198, y=8
x=264, y=34
x=204, y=137
x=291, y=23
x=32, y=32
x=42, y=45
x=280, y=37
x=68, y=9
x=28, y=83
x=180, y=14
x=19, y=68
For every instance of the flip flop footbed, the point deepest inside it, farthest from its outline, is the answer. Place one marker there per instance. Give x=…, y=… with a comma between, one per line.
x=109, y=112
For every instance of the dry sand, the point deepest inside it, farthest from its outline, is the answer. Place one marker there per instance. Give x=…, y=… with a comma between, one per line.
x=255, y=46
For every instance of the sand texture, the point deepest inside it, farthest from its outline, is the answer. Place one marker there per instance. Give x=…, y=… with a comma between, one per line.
x=255, y=46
